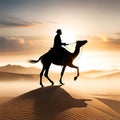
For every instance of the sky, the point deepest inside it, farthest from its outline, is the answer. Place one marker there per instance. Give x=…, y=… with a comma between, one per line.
x=27, y=30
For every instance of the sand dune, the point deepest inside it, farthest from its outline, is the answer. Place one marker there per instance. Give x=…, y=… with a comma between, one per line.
x=4, y=100
x=56, y=103
x=115, y=75
x=19, y=69
x=112, y=103
x=109, y=74
x=6, y=76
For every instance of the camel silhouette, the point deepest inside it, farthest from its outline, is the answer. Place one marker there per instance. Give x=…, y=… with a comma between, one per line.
x=65, y=60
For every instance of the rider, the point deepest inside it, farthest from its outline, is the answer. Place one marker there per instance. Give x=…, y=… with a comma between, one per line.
x=57, y=41
x=58, y=50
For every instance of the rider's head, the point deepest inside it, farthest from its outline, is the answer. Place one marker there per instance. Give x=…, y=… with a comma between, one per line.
x=59, y=31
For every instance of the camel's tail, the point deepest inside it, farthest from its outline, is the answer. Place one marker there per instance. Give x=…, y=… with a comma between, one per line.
x=35, y=61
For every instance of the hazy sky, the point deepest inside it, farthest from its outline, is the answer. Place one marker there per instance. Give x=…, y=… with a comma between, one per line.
x=27, y=27
x=82, y=16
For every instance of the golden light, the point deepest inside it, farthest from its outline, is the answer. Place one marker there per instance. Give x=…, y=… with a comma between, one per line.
x=68, y=36
x=104, y=38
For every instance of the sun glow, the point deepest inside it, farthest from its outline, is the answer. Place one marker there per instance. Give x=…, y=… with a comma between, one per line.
x=68, y=37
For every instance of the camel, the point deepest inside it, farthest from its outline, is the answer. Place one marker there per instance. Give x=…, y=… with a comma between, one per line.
x=66, y=60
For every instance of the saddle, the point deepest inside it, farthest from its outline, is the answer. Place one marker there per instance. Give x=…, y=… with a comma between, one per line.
x=57, y=54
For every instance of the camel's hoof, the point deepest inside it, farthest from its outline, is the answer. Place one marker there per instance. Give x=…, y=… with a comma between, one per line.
x=42, y=85
x=75, y=78
x=61, y=83
x=52, y=83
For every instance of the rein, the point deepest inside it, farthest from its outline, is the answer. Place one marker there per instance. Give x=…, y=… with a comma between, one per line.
x=72, y=43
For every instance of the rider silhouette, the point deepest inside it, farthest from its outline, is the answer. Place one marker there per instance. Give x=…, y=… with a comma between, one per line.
x=57, y=41
x=58, y=52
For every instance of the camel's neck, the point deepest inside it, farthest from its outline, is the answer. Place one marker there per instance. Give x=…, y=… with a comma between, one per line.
x=76, y=52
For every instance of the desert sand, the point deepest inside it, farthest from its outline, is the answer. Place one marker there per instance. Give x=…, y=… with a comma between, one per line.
x=56, y=103
x=114, y=104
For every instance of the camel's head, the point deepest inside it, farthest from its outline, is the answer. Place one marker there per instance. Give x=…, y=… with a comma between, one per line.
x=81, y=43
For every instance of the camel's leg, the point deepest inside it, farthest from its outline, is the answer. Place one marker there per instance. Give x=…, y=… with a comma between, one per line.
x=73, y=66
x=63, y=70
x=46, y=74
x=41, y=74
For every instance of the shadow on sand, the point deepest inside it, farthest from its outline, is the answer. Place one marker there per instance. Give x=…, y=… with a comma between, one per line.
x=50, y=101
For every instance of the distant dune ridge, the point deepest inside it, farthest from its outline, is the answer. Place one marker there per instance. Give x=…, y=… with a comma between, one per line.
x=56, y=103
x=20, y=72
x=17, y=72
x=19, y=69
x=15, y=76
